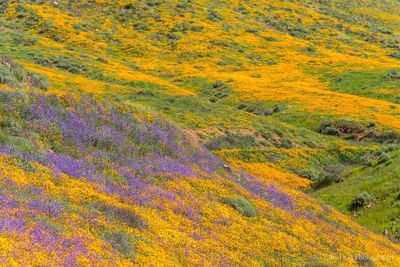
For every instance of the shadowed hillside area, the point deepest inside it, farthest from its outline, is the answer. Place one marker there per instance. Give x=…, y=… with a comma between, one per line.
x=199, y=133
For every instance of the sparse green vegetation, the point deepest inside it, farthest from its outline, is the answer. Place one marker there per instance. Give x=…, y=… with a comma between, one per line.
x=242, y=205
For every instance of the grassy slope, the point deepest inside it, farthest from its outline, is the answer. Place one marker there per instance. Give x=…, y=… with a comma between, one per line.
x=288, y=54
x=381, y=181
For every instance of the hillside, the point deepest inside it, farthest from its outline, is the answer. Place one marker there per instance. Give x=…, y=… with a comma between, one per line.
x=199, y=133
x=380, y=181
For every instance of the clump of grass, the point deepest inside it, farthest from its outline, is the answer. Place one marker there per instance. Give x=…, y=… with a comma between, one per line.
x=242, y=205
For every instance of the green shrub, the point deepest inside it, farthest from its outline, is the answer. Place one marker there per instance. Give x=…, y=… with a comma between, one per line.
x=230, y=141
x=383, y=158
x=242, y=205
x=363, y=260
x=16, y=76
x=61, y=62
x=394, y=55
x=174, y=36
x=393, y=75
x=141, y=27
x=214, y=15
x=341, y=128
x=11, y=125
x=311, y=174
x=181, y=27
x=122, y=242
x=218, y=84
x=7, y=77
x=390, y=137
x=122, y=215
x=38, y=81
x=324, y=179
x=361, y=200
x=130, y=6
x=218, y=91
x=196, y=28
x=286, y=143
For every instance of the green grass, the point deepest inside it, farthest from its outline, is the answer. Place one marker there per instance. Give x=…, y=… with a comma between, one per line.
x=381, y=180
x=379, y=84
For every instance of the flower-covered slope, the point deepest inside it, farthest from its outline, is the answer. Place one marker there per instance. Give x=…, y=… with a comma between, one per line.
x=92, y=172
x=85, y=182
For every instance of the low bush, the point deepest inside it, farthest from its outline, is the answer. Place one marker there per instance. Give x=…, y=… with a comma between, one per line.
x=174, y=36
x=286, y=143
x=363, y=260
x=230, y=141
x=61, y=62
x=218, y=91
x=196, y=28
x=11, y=125
x=361, y=200
x=242, y=205
x=214, y=15
x=324, y=179
x=341, y=128
x=130, y=6
x=122, y=242
x=351, y=130
x=141, y=27
x=390, y=137
x=7, y=77
x=259, y=110
x=38, y=81
x=122, y=215
x=16, y=76
x=393, y=75
x=394, y=55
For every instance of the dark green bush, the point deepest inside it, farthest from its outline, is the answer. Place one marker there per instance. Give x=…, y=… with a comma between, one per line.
x=181, y=27
x=242, y=205
x=361, y=200
x=286, y=143
x=341, y=128
x=324, y=179
x=218, y=84
x=214, y=15
x=174, y=36
x=61, y=62
x=218, y=91
x=390, y=137
x=311, y=174
x=394, y=55
x=327, y=130
x=196, y=28
x=130, y=6
x=122, y=215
